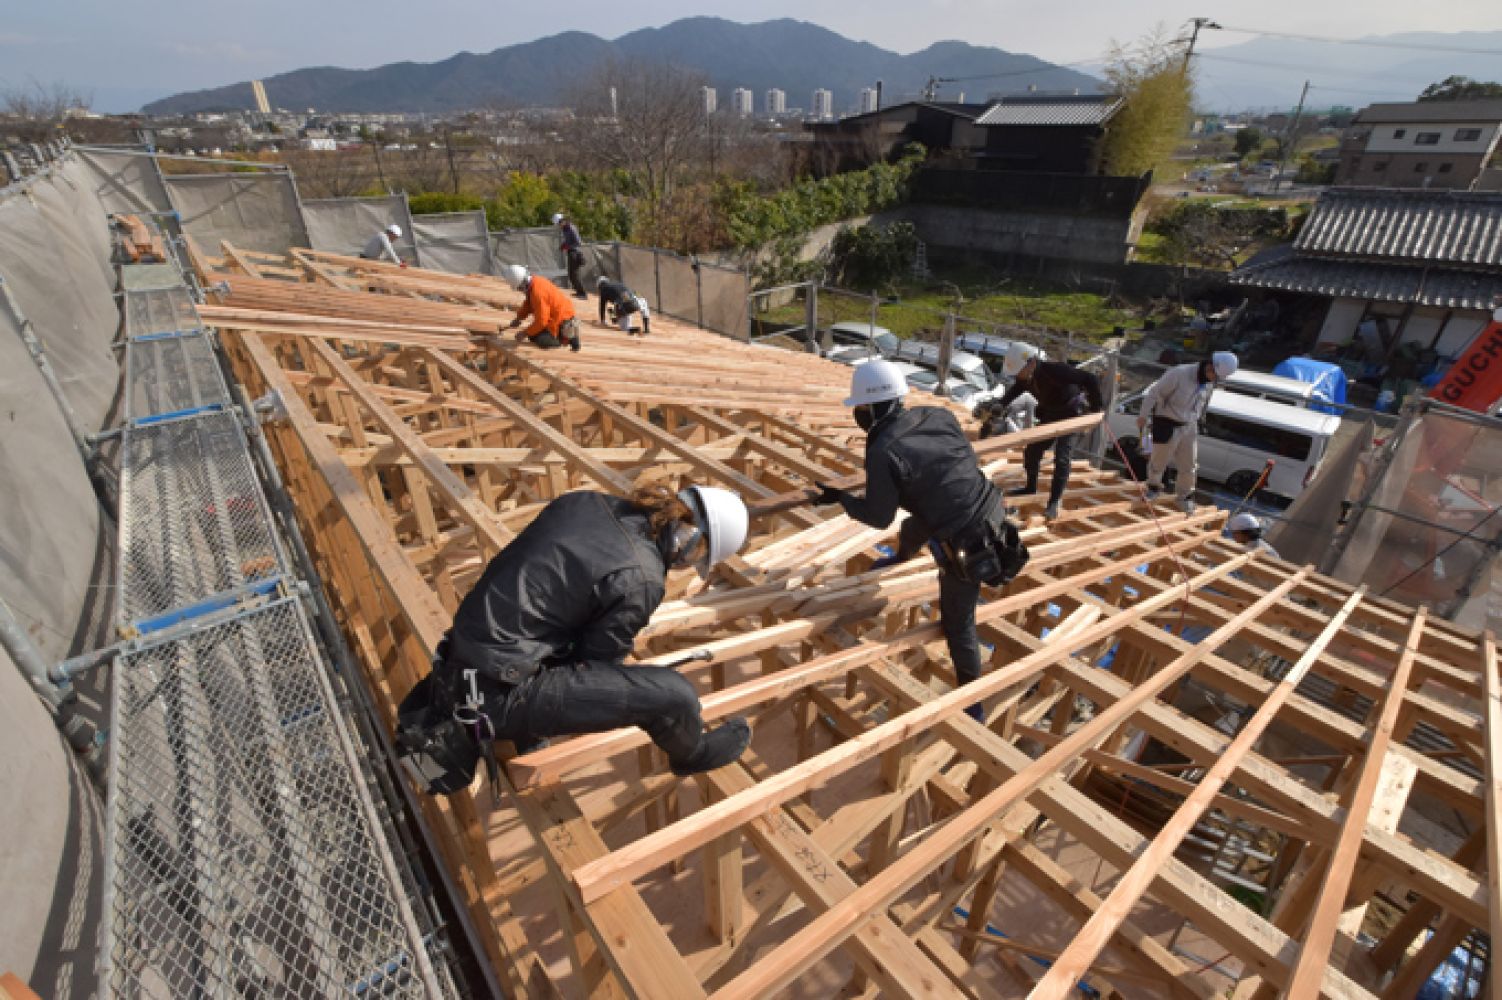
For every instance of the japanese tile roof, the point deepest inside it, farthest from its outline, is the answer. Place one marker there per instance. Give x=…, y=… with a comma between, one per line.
x=1080, y=109
x=1453, y=228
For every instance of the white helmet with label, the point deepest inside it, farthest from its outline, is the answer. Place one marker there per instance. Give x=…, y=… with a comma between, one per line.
x=395, y=231
x=1224, y=363
x=876, y=382
x=515, y=275
x=722, y=517
x=1244, y=522
x=557, y=218
x=1018, y=355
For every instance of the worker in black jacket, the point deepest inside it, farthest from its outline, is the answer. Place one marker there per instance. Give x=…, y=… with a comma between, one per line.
x=572, y=247
x=625, y=306
x=1062, y=391
x=536, y=648
x=919, y=460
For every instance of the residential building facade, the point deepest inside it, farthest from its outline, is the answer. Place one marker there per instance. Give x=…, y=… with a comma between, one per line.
x=1424, y=144
x=868, y=100
x=711, y=99
x=741, y=101
x=776, y=102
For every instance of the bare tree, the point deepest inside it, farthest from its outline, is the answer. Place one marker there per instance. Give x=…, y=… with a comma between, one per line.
x=37, y=102
x=646, y=119
x=331, y=173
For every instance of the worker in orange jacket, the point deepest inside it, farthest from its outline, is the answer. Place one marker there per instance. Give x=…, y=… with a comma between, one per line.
x=551, y=312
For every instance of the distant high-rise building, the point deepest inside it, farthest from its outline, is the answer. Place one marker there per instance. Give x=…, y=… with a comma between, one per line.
x=868, y=99
x=711, y=99
x=259, y=90
x=823, y=104
x=777, y=102
x=741, y=101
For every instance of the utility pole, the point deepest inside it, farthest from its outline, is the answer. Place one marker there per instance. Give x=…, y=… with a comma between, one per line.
x=1292, y=136
x=1198, y=22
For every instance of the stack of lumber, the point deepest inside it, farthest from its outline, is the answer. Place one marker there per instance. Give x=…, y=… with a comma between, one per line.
x=142, y=243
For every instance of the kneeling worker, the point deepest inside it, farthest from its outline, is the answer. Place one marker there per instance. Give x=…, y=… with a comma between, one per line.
x=624, y=305
x=1063, y=391
x=536, y=648
x=919, y=460
x=1172, y=409
x=1247, y=530
x=380, y=246
x=551, y=312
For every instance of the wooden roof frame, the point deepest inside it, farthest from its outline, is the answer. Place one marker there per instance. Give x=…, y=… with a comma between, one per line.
x=417, y=443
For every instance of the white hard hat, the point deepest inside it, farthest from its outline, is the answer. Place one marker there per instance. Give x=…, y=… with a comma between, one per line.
x=515, y=274
x=1224, y=363
x=1018, y=355
x=394, y=230
x=721, y=515
x=1243, y=522
x=876, y=382
x=557, y=218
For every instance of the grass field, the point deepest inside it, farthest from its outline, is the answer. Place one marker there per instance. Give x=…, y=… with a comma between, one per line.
x=914, y=308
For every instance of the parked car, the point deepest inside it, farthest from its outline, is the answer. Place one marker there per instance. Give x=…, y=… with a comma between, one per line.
x=852, y=343
x=1239, y=434
x=990, y=347
x=971, y=381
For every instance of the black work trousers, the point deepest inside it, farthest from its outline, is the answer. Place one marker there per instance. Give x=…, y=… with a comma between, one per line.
x=573, y=699
x=1063, y=455
x=957, y=600
x=576, y=271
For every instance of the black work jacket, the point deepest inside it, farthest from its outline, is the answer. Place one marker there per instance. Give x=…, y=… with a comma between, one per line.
x=1054, y=385
x=575, y=586
x=615, y=293
x=921, y=461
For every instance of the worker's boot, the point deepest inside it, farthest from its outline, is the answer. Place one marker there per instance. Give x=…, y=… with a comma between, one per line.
x=1021, y=491
x=716, y=748
x=575, y=342
x=1051, y=511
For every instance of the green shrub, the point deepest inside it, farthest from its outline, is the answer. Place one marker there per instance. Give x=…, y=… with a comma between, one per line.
x=872, y=257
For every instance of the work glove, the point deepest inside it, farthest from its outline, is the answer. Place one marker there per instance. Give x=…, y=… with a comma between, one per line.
x=514, y=324
x=884, y=562
x=828, y=495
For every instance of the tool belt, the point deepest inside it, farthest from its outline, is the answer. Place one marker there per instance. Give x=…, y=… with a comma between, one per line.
x=442, y=734
x=1163, y=429
x=990, y=552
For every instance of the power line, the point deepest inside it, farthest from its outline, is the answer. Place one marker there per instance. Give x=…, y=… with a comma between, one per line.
x=1367, y=42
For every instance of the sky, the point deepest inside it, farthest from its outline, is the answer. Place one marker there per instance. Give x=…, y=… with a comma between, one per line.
x=126, y=54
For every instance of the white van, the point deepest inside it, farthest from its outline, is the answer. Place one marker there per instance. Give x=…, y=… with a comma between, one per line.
x=1240, y=434
x=1263, y=385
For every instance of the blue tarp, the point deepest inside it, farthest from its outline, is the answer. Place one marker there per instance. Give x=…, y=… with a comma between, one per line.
x=1328, y=380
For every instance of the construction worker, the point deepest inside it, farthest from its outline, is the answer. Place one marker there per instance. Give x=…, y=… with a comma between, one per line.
x=379, y=246
x=920, y=461
x=624, y=305
x=536, y=649
x=1018, y=415
x=1246, y=529
x=1063, y=391
x=1171, y=409
x=573, y=251
x=552, y=314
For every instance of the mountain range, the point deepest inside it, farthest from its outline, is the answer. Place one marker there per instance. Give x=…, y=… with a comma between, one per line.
x=794, y=56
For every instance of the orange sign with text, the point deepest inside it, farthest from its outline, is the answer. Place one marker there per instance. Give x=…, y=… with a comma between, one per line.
x=1474, y=381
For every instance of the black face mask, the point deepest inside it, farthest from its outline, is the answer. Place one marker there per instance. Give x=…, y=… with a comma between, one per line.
x=1203, y=377
x=868, y=415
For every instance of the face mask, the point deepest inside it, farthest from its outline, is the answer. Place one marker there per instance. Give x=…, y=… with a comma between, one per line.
x=864, y=417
